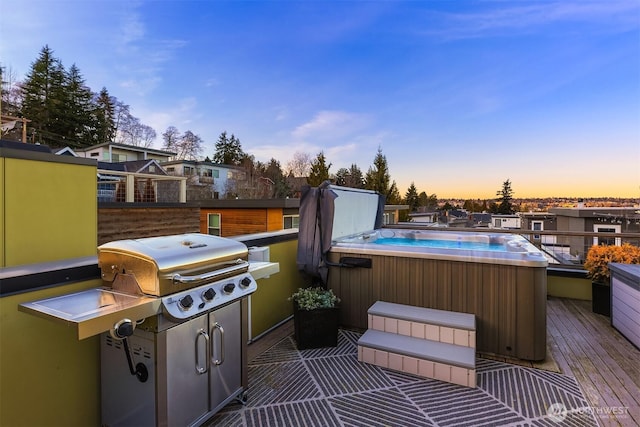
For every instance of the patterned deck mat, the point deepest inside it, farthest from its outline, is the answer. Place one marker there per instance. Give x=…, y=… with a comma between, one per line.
x=329, y=387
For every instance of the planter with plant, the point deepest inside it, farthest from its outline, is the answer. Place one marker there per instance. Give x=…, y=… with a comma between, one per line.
x=597, y=265
x=315, y=317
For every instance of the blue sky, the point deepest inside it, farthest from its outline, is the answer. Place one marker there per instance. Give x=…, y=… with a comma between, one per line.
x=459, y=95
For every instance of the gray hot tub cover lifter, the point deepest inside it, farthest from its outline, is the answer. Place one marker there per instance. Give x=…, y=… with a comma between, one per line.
x=317, y=209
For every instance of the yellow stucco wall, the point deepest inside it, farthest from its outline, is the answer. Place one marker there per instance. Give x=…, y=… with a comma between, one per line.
x=49, y=210
x=2, y=179
x=47, y=376
x=269, y=304
x=569, y=287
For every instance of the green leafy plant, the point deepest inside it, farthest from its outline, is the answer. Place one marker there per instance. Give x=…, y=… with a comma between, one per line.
x=599, y=257
x=314, y=297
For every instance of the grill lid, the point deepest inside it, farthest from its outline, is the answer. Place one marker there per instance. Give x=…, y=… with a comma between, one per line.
x=167, y=264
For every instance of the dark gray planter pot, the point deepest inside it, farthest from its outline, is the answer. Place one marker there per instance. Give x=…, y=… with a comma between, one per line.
x=316, y=328
x=601, y=298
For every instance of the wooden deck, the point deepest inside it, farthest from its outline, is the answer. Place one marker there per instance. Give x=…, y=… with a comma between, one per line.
x=581, y=344
x=607, y=366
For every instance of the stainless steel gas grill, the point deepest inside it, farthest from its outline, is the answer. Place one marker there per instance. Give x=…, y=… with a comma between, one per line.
x=173, y=319
x=183, y=365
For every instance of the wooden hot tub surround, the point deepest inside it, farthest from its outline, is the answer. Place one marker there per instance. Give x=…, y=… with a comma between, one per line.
x=509, y=301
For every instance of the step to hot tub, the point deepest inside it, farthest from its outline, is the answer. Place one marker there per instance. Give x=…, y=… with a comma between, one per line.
x=425, y=323
x=426, y=358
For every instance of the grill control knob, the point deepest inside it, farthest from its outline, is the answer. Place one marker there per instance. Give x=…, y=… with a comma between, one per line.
x=186, y=302
x=208, y=294
x=228, y=288
x=244, y=283
x=124, y=328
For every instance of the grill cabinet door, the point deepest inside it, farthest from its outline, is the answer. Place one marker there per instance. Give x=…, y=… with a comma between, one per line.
x=226, y=353
x=184, y=396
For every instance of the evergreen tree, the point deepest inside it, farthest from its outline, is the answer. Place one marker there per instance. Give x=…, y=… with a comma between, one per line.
x=431, y=202
x=228, y=150
x=104, y=117
x=505, y=196
x=394, y=197
x=411, y=198
x=423, y=198
x=356, y=179
x=319, y=170
x=42, y=92
x=351, y=177
x=378, y=178
x=342, y=176
x=79, y=125
x=274, y=172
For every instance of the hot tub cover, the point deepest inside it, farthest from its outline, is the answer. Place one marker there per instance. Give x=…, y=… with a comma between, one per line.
x=329, y=212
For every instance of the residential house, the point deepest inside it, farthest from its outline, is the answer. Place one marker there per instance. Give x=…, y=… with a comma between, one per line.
x=215, y=180
x=596, y=220
x=506, y=222
x=113, y=152
x=424, y=217
x=479, y=219
x=391, y=214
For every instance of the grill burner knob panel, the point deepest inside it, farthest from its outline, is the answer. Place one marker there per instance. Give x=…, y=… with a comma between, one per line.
x=191, y=302
x=209, y=294
x=186, y=302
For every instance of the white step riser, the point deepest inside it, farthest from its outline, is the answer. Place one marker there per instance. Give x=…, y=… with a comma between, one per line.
x=415, y=366
x=462, y=337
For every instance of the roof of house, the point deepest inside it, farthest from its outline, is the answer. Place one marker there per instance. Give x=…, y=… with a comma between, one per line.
x=134, y=166
x=200, y=163
x=128, y=147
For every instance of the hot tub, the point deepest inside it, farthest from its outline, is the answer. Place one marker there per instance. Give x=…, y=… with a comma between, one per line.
x=501, y=278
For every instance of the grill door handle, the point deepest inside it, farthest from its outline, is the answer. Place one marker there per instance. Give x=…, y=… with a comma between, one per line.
x=193, y=280
x=200, y=369
x=217, y=326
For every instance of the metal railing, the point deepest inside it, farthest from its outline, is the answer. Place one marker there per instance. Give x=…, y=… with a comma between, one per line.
x=116, y=186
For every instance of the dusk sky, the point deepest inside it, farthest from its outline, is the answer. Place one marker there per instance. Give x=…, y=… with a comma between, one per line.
x=459, y=95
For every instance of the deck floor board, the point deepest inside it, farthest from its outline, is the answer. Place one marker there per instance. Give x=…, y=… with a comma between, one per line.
x=605, y=364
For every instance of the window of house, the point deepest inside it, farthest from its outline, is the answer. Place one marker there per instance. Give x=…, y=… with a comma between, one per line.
x=213, y=221
x=216, y=173
x=207, y=172
x=94, y=154
x=171, y=169
x=537, y=226
x=152, y=168
x=118, y=157
x=497, y=222
x=607, y=228
x=188, y=170
x=388, y=218
x=290, y=221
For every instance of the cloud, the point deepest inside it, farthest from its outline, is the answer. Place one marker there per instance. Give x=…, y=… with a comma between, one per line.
x=139, y=57
x=331, y=124
x=512, y=18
